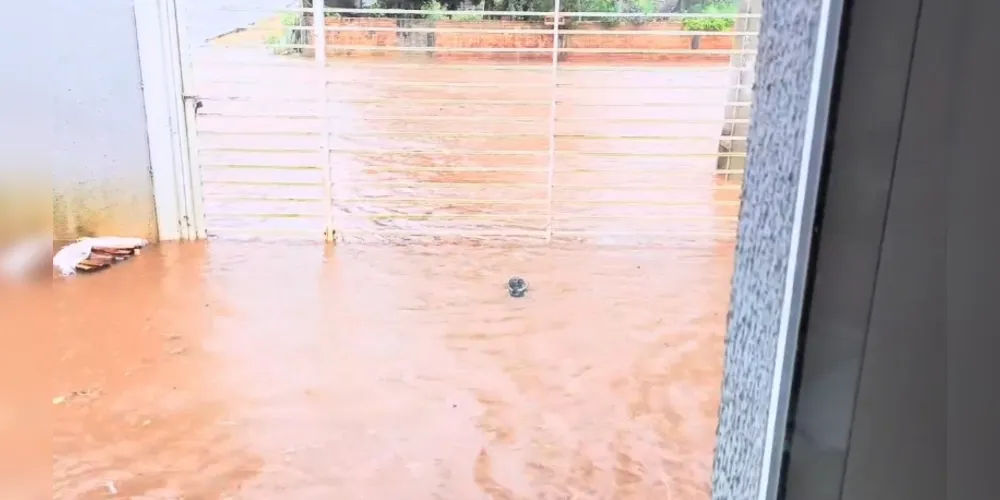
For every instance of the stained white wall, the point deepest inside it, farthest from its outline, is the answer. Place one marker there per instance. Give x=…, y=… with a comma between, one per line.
x=73, y=120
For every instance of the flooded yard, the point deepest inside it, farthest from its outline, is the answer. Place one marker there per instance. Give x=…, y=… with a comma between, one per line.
x=398, y=368
x=267, y=370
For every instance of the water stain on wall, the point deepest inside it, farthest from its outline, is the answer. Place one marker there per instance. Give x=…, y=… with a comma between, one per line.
x=92, y=211
x=98, y=155
x=87, y=212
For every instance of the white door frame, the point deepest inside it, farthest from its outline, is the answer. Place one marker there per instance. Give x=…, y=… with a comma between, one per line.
x=175, y=187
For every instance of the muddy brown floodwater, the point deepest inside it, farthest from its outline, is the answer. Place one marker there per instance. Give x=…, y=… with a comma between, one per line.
x=303, y=371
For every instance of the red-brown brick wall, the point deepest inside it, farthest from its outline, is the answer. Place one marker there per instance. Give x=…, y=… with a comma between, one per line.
x=361, y=38
x=385, y=36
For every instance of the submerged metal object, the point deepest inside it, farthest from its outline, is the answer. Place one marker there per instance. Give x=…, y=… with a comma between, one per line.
x=517, y=286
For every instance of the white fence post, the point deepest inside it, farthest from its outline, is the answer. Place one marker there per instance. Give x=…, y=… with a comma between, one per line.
x=552, y=118
x=742, y=67
x=319, y=48
x=163, y=93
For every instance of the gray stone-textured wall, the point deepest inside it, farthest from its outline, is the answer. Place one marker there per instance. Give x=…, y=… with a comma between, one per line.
x=777, y=134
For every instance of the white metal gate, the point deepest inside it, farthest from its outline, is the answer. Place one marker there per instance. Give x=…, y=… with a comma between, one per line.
x=421, y=123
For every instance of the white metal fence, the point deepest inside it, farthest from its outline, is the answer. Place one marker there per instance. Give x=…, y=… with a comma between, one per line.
x=385, y=123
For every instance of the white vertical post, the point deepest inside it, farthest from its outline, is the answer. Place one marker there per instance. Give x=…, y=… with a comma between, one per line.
x=319, y=49
x=742, y=76
x=172, y=28
x=160, y=66
x=190, y=160
x=199, y=229
x=552, y=116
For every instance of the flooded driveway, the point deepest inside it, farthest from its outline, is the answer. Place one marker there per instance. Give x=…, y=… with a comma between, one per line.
x=303, y=371
x=253, y=370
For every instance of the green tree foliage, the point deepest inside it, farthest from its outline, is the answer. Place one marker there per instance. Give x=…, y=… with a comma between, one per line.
x=712, y=23
x=436, y=9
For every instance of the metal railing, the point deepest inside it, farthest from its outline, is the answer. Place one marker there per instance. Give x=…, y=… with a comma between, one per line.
x=347, y=137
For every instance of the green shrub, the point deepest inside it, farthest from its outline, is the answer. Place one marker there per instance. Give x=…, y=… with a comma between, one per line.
x=642, y=8
x=274, y=44
x=602, y=6
x=435, y=11
x=289, y=36
x=646, y=6
x=469, y=14
x=712, y=23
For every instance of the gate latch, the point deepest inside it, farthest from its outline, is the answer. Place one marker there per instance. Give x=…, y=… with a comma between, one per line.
x=197, y=102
